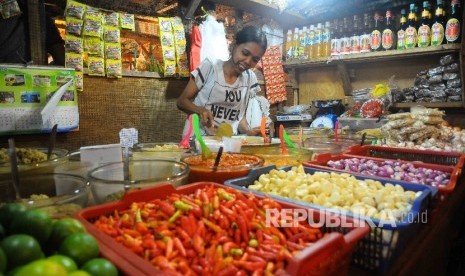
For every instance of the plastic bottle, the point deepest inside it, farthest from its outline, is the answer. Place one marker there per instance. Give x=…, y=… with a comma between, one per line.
x=345, y=37
x=401, y=30
x=437, y=28
x=424, y=29
x=295, y=44
x=317, y=45
x=388, y=40
x=335, y=38
x=327, y=40
x=289, y=44
x=302, y=39
x=310, y=42
x=454, y=20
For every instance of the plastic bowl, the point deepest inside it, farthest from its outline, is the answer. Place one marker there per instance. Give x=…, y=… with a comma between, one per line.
x=59, y=156
x=58, y=194
x=107, y=181
x=148, y=151
x=343, y=142
x=76, y=166
x=232, y=165
x=273, y=155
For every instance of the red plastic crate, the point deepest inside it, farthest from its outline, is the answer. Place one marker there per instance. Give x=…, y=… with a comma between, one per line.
x=322, y=160
x=330, y=255
x=455, y=159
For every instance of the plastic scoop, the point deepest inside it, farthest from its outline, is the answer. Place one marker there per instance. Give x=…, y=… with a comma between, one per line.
x=263, y=130
x=51, y=144
x=14, y=170
x=206, y=152
x=185, y=141
x=288, y=140
x=336, y=126
x=281, y=139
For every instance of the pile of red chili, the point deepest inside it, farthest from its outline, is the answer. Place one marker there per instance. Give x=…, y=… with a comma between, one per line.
x=214, y=231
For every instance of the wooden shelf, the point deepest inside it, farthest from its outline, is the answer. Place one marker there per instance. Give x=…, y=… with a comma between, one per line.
x=377, y=56
x=264, y=9
x=430, y=105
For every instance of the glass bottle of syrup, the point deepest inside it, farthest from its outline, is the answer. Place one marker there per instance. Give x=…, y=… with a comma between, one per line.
x=401, y=30
x=411, y=30
x=454, y=20
x=375, y=37
x=388, y=40
x=437, y=28
x=424, y=29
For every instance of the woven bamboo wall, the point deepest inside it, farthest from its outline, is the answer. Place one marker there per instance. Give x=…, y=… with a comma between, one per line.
x=106, y=106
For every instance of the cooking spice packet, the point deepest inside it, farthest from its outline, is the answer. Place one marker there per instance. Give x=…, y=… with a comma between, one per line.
x=96, y=66
x=183, y=68
x=93, y=46
x=111, y=19
x=93, y=28
x=165, y=24
x=73, y=44
x=9, y=9
x=73, y=60
x=169, y=68
x=75, y=9
x=111, y=34
x=74, y=26
x=113, y=51
x=79, y=81
x=113, y=68
x=166, y=39
x=169, y=54
x=94, y=14
x=127, y=21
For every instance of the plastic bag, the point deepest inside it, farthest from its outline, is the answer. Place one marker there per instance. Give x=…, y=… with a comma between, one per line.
x=296, y=109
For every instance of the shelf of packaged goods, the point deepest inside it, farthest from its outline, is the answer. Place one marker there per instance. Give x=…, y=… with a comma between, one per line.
x=266, y=10
x=430, y=105
x=377, y=56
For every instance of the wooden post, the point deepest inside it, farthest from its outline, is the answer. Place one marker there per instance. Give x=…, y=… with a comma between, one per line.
x=344, y=75
x=36, y=15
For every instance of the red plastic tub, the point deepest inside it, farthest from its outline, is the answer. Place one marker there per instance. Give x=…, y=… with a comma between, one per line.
x=330, y=255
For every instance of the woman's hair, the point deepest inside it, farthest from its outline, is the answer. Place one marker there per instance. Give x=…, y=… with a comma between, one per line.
x=251, y=34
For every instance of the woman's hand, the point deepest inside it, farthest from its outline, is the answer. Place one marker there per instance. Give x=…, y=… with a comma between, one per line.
x=206, y=118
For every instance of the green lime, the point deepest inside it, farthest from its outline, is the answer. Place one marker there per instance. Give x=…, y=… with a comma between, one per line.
x=79, y=273
x=42, y=268
x=65, y=261
x=34, y=222
x=100, y=267
x=81, y=247
x=64, y=227
x=10, y=211
x=21, y=249
x=3, y=261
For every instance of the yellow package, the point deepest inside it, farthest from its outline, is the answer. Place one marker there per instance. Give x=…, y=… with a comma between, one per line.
x=181, y=52
x=183, y=68
x=112, y=51
x=96, y=66
x=111, y=19
x=73, y=44
x=169, y=54
x=180, y=37
x=79, y=81
x=127, y=21
x=93, y=28
x=111, y=34
x=176, y=23
x=169, y=68
x=166, y=39
x=73, y=26
x=94, y=14
x=74, y=61
x=113, y=68
x=75, y=9
x=93, y=46
x=165, y=24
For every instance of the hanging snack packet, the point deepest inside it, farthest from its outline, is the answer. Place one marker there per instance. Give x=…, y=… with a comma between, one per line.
x=94, y=14
x=166, y=39
x=165, y=24
x=111, y=19
x=93, y=46
x=74, y=61
x=9, y=9
x=169, y=68
x=127, y=21
x=111, y=34
x=73, y=26
x=168, y=54
x=181, y=52
x=75, y=9
x=113, y=68
x=113, y=51
x=183, y=68
x=96, y=66
x=79, y=81
x=93, y=28
x=73, y=44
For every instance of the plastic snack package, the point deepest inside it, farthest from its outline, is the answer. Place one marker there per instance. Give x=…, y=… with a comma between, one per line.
x=9, y=9
x=396, y=116
x=127, y=21
x=79, y=81
x=75, y=61
x=113, y=68
x=96, y=66
x=427, y=111
x=111, y=34
x=93, y=46
x=169, y=68
x=74, y=26
x=75, y=9
x=93, y=28
x=74, y=44
x=113, y=51
x=94, y=14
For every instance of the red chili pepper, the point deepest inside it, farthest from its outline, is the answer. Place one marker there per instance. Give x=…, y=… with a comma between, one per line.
x=259, y=235
x=243, y=228
x=169, y=247
x=178, y=244
x=250, y=266
x=198, y=244
x=166, y=208
x=258, y=272
x=212, y=226
x=254, y=258
x=229, y=270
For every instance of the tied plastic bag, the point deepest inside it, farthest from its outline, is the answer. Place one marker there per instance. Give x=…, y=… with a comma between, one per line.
x=296, y=109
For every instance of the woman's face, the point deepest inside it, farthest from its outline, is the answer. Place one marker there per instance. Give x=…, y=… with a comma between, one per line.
x=246, y=56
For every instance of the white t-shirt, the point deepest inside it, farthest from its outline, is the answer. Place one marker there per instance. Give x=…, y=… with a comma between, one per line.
x=227, y=102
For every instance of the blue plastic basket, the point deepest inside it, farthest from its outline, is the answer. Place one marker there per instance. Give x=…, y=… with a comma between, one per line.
x=376, y=251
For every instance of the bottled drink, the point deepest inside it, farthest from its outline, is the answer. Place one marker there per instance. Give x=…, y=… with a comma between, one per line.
x=355, y=38
x=335, y=38
x=327, y=40
x=365, y=37
x=411, y=30
x=309, y=42
x=388, y=36
x=424, y=29
x=302, y=35
x=295, y=44
x=454, y=19
x=289, y=44
x=318, y=45
x=401, y=30
x=375, y=37
x=345, y=40
x=437, y=28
